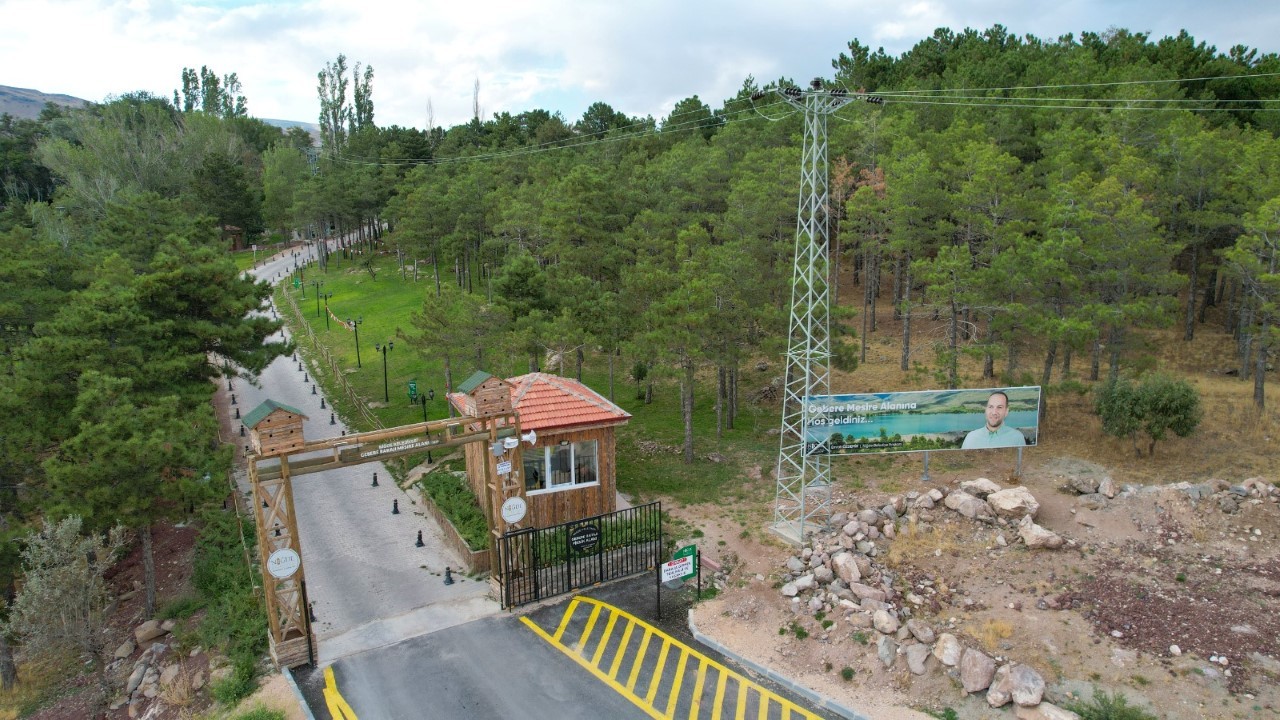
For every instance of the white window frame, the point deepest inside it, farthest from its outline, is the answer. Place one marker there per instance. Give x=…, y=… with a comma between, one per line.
x=548, y=452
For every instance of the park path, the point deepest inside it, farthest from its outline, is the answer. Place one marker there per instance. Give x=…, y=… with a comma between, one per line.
x=369, y=584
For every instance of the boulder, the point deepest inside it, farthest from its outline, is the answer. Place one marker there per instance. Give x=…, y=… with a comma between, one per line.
x=149, y=630
x=1017, y=502
x=866, y=592
x=1017, y=682
x=982, y=487
x=976, y=670
x=886, y=650
x=917, y=657
x=823, y=575
x=125, y=650
x=1037, y=537
x=885, y=622
x=920, y=630
x=948, y=650
x=846, y=567
x=968, y=505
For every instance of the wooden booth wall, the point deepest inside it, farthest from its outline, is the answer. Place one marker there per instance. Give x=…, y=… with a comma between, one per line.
x=552, y=508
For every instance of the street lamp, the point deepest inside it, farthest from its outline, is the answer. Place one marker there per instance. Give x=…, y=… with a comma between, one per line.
x=317, y=283
x=422, y=400
x=386, y=393
x=326, y=309
x=355, y=325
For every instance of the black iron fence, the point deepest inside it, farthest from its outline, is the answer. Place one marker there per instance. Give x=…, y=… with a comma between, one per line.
x=539, y=563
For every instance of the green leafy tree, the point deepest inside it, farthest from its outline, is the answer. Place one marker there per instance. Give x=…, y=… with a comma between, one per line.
x=1154, y=407
x=62, y=605
x=1254, y=261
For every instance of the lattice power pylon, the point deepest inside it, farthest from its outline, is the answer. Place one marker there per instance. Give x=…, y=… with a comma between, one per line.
x=803, y=500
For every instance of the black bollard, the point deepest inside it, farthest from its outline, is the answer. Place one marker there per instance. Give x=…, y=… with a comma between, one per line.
x=305, y=378
x=331, y=420
x=429, y=460
x=264, y=503
x=277, y=532
x=313, y=389
x=311, y=610
x=375, y=480
x=419, y=543
x=241, y=431
x=395, y=507
x=448, y=576
x=237, y=413
x=233, y=398
x=321, y=403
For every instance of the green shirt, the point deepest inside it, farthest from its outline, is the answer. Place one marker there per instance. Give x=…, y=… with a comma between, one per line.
x=982, y=438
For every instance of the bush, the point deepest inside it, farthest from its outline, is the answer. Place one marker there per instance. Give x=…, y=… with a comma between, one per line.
x=1108, y=707
x=454, y=498
x=1154, y=407
x=237, y=686
x=261, y=713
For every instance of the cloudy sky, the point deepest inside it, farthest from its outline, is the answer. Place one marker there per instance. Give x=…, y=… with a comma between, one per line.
x=559, y=55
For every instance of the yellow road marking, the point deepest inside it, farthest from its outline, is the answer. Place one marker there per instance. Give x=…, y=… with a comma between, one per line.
x=338, y=706
x=593, y=660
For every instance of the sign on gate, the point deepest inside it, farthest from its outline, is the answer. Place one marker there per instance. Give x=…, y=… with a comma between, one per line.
x=683, y=566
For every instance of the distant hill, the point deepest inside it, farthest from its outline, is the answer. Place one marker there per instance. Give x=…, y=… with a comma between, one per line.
x=26, y=104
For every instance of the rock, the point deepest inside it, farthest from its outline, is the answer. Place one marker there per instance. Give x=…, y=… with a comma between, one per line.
x=1095, y=501
x=885, y=622
x=168, y=625
x=149, y=630
x=866, y=592
x=976, y=670
x=921, y=631
x=968, y=505
x=135, y=678
x=805, y=582
x=981, y=487
x=823, y=575
x=1044, y=711
x=851, y=528
x=917, y=657
x=887, y=650
x=790, y=590
x=998, y=694
x=870, y=517
x=1015, y=502
x=125, y=650
x=1107, y=488
x=948, y=650
x=1174, y=650
x=1026, y=686
x=1083, y=485
x=846, y=567
x=169, y=674
x=1037, y=537
x=795, y=565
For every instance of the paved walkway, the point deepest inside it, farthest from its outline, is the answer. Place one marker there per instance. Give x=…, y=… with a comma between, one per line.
x=369, y=584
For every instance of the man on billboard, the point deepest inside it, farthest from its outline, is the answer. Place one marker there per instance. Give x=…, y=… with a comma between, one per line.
x=995, y=434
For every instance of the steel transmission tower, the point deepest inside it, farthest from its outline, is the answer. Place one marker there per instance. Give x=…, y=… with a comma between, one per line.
x=804, y=481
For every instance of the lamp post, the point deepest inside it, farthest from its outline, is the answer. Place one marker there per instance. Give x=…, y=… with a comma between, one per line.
x=317, y=283
x=388, y=346
x=326, y=309
x=422, y=400
x=355, y=325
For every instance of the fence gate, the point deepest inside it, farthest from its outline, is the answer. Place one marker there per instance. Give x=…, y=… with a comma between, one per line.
x=540, y=563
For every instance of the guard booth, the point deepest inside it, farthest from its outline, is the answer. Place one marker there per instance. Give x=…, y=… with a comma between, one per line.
x=557, y=527
x=568, y=460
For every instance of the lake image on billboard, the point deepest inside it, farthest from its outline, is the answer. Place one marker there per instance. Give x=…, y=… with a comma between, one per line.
x=914, y=421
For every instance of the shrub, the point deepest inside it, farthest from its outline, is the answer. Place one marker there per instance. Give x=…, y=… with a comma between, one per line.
x=261, y=713
x=1154, y=407
x=237, y=686
x=454, y=498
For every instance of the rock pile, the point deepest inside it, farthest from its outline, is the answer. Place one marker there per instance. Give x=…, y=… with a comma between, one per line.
x=837, y=572
x=155, y=671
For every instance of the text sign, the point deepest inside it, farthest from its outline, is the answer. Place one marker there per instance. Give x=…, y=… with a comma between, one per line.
x=413, y=389
x=584, y=537
x=283, y=563
x=678, y=569
x=514, y=509
x=504, y=467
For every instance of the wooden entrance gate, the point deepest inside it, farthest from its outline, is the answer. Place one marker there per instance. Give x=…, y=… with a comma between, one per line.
x=539, y=563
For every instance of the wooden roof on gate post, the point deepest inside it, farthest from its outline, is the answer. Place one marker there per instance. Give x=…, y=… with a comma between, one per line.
x=483, y=395
x=275, y=428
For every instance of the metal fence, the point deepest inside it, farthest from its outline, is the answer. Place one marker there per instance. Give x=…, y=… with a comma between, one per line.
x=540, y=563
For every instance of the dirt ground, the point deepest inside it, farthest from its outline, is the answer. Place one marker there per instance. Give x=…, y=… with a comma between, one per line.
x=1139, y=575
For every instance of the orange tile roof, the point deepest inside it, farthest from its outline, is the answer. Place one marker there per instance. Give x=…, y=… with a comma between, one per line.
x=548, y=402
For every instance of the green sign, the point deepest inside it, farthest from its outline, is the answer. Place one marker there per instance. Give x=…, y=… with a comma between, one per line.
x=413, y=389
x=691, y=552
x=296, y=283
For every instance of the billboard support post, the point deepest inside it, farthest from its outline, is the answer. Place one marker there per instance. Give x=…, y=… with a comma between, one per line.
x=1018, y=471
x=925, y=477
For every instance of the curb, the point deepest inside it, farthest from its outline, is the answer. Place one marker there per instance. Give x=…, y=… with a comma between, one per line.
x=297, y=692
x=819, y=700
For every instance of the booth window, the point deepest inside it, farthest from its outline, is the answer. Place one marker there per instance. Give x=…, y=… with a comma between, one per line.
x=561, y=466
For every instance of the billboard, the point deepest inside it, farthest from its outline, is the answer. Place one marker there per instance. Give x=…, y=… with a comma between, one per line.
x=922, y=420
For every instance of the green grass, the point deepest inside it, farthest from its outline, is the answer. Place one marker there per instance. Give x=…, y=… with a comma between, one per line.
x=386, y=304
x=456, y=501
